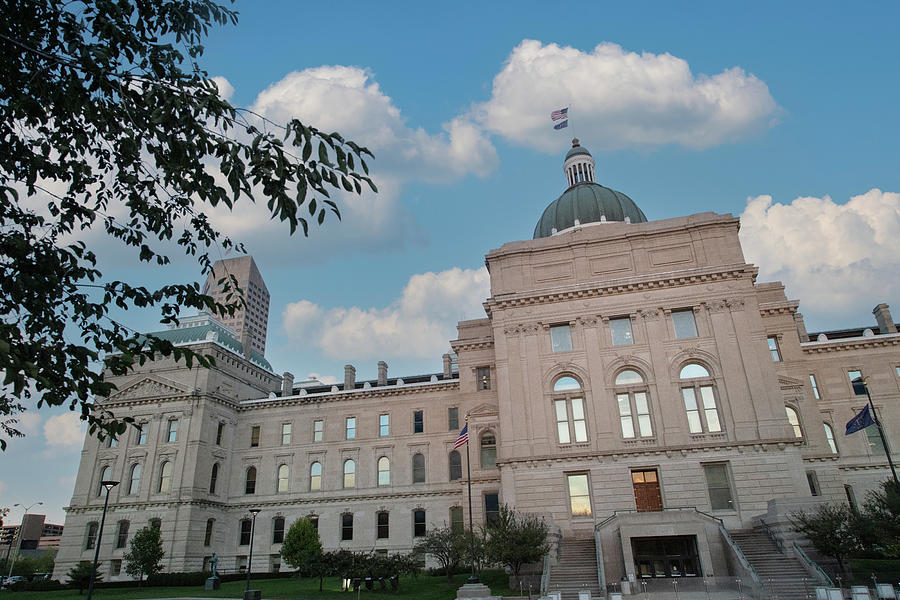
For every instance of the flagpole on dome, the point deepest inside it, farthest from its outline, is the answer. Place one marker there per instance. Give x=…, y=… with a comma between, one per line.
x=860, y=383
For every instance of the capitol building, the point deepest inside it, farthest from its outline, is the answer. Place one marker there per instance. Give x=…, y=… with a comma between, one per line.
x=630, y=381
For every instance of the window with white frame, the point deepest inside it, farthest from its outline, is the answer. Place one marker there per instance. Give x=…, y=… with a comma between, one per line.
x=684, y=324
x=134, y=482
x=165, y=478
x=172, y=430
x=283, y=478
x=384, y=471
x=699, y=397
x=315, y=476
x=634, y=405
x=568, y=407
x=104, y=476
x=488, y=450
x=318, y=430
x=418, y=468
x=794, y=420
x=561, y=338
x=285, y=434
x=351, y=428
x=829, y=436
x=620, y=331
x=774, y=349
x=349, y=473
x=384, y=425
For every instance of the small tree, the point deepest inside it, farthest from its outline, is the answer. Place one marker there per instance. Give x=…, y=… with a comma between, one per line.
x=446, y=546
x=301, y=545
x=516, y=539
x=882, y=511
x=145, y=554
x=832, y=529
x=80, y=575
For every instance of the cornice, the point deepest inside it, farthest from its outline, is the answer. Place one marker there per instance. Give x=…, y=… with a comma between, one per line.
x=782, y=307
x=467, y=345
x=376, y=392
x=856, y=343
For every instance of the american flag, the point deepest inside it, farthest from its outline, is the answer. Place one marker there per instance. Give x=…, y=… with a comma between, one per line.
x=562, y=113
x=463, y=438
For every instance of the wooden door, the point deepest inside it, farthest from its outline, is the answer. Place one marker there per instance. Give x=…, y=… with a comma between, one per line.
x=647, y=496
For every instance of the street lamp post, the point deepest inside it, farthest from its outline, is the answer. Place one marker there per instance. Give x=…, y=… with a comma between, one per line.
x=107, y=485
x=19, y=537
x=254, y=512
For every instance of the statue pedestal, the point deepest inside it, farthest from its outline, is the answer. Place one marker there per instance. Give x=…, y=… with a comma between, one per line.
x=213, y=583
x=475, y=590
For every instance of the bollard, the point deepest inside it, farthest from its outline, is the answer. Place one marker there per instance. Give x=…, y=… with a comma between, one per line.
x=740, y=589
x=675, y=585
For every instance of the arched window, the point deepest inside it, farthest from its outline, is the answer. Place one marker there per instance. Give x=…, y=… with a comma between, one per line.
x=488, y=450
x=699, y=399
x=384, y=471
x=165, y=478
x=283, y=474
x=349, y=473
x=455, y=466
x=634, y=405
x=418, y=467
x=250, y=481
x=568, y=406
x=315, y=476
x=213, y=477
x=104, y=476
x=794, y=420
x=134, y=482
x=829, y=435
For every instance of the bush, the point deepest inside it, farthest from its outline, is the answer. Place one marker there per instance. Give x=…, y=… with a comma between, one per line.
x=885, y=569
x=192, y=578
x=47, y=585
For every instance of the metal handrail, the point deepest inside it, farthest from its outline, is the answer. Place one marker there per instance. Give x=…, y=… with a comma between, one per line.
x=616, y=514
x=545, y=575
x=741, y=557
x=778, y=542
x=810, y=562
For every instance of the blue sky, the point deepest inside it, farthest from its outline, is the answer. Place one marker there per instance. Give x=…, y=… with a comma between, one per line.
x=784, y=113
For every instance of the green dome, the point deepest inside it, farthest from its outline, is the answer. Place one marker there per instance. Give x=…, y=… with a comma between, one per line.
x=576, y=150
x=586, y=202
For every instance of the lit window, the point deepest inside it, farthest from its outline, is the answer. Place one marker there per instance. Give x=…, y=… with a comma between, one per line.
x=315, y=476
x=452, y=418
x=418, y=523
x=318, y=430
x=620, y=330
x=283, y=478
x=172, y=431
x=418, y=467
x=351, y=428
x=488, y=450
x=134, y=482
x=349, y=474
x=384, y=471
x=703, y=415
x=684, y=323
x=718, y=486
x=455, y=466
x=569, y=410
x=794, y=420
x=207, y=537
x=829, y=435
x=418, y=421
x=579, y=495
x=634, y=407
x=250, y=481
x=483, y=377
x=346, y=526
x=384, y=425
x=122, y=534
x=815, y=386
x=165, y=478
x=285, y=434
x=278, y=530
x=213, y=478
x=561, y=338
x=384, y=526
x=254, y=436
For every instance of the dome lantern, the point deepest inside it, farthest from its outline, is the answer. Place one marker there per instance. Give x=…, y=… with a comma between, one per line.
x=579, y=165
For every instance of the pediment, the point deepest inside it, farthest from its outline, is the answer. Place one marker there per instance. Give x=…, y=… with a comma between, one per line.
x=789, y=382
x=485, y=410
x=150, y=387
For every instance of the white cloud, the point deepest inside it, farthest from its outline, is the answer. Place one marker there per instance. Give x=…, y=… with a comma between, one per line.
x=226, y=90
x=621, y=99
x=66, y=429
x=28, y=422
x=837, y=259
x=416, y=325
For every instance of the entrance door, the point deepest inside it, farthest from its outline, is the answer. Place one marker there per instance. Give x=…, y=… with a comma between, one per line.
x=671, y=556
x=647, y=496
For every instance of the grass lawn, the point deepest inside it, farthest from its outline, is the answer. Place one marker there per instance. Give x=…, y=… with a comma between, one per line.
x=425, y=587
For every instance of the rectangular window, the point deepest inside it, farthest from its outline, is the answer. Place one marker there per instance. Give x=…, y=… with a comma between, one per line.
x=278, y=530
x=115, y=567
x=815, y=386
x=483, y=377
x=172, y=431
x=418, y=523
x=562, y=422
x=314, y=519
x=851, y=497
x=142, y=434
x=318, y=430
x=207, y=537
x=813, y=482
x=774, y=350
x=122, y=534
x=219, y=431
x=718, y=486
x=254, y=436
x=346, y=526
x=453, y=418
x=246, y=526
x=351, y=428
x=710, y=413
x=418, y=421
x=384, y=526
x=620, y=329
x=859, y=389
x=579, y=495
x=285, y=434
x=384, y=425
x=456, y=519
x=566, y=427
x=684, y=324
x=898, y=371
x=561, y=338
x=491, y=508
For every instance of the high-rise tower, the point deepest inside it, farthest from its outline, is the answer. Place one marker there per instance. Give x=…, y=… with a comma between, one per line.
x=253, y=319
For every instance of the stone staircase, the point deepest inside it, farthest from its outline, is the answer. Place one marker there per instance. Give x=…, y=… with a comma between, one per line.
x=783, y=576
x=576, y=569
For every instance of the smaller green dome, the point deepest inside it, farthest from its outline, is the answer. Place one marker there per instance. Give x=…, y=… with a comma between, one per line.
x=587, y=202
x=576, y=150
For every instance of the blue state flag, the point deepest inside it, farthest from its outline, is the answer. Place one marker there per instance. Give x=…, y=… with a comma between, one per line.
x=860, y=421
x=561, y=124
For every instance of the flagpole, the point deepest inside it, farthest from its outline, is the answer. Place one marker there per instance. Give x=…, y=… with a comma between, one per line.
x=472, y=578
x=884, y=442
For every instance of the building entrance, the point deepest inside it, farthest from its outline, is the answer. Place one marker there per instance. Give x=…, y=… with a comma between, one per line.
x=671, y=556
